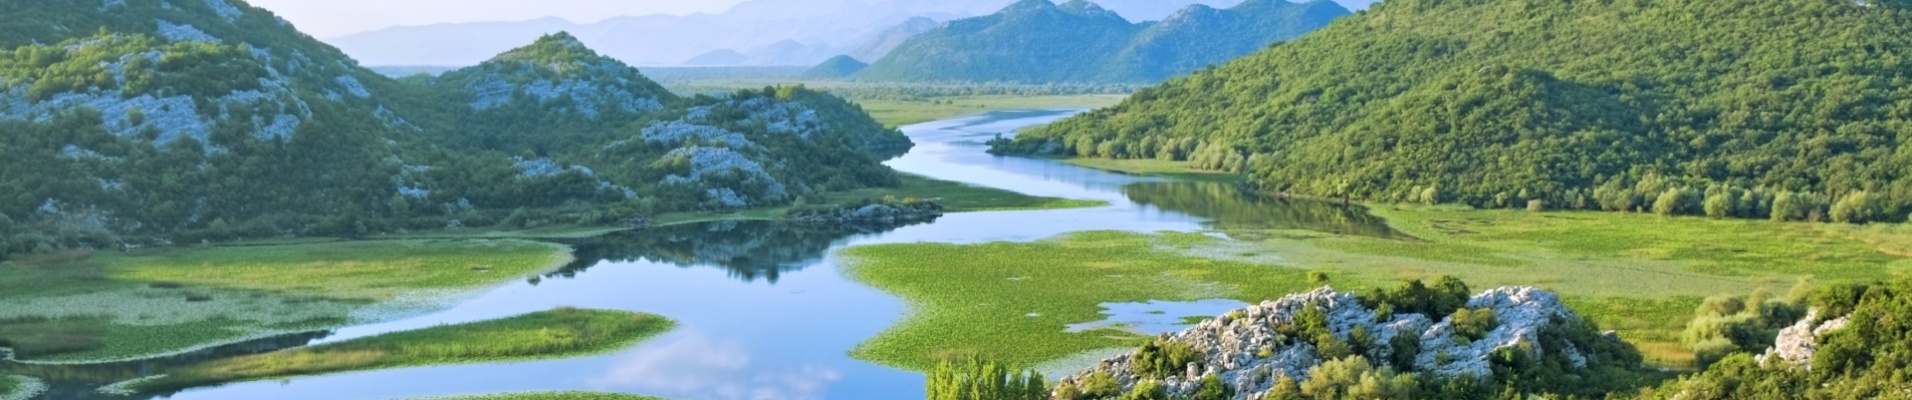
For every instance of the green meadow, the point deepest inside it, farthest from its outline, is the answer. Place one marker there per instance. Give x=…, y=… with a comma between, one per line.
x=1182, y=170
x=1641, y=275
x=906, y=112
x=547, y=334
x=954, y=196
x=101, y=306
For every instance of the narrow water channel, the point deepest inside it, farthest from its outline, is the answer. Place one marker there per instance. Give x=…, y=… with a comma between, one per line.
x=764, y=312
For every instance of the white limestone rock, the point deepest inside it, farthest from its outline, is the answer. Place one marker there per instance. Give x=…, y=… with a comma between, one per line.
x=1796, y=344
x=1244, y=349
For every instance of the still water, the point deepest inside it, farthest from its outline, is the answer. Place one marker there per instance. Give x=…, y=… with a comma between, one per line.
x=763, y=312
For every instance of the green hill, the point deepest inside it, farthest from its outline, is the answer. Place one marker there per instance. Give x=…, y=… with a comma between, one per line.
x=838, y=67
x=148, y=123
x=1789, y=109
x=1037, y=41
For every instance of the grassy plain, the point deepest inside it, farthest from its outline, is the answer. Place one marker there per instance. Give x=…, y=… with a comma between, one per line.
x=1642, y=275
x=1010, y=302
x=546, y=334
x=954, y=196
x=905, y=112
x=553, y=396
x=1153, y=167
x=101, y=306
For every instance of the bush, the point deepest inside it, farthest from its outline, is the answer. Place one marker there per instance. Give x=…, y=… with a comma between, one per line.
x=1162, y=359
x=1473, y=324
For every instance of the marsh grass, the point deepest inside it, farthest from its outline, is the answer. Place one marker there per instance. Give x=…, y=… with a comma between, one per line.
x=552, y=396
x=953, y=196
x=964, y=303
x=961, y=197
x=15, y=387
x=367, y=270
x=1640, y=275
x=94, y=307
x=899, y=113
x=1181, y=170
x=546, y=334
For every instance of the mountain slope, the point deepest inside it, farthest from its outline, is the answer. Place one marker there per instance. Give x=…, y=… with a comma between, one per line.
x=1020, y=44
x=719, y=57
x=151, y=123
x=836, y=68
x=152, y=117
x=885, y=42
x=1035, y=41
x=1790, y=104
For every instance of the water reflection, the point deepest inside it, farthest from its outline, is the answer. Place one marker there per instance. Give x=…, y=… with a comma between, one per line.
x=746, y=250
x=1227, y=208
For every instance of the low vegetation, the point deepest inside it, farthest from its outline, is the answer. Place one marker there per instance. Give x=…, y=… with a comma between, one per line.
x=1866, y=359
x=13, y=387
x=79, y=306
x=1642, y=275
x=547, y=334
x=1011, y=302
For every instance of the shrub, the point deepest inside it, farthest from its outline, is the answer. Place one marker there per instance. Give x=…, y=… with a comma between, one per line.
x=1473, y=324
x=1161, y=359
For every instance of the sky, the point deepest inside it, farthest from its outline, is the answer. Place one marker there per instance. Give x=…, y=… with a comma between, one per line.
x=331, y=18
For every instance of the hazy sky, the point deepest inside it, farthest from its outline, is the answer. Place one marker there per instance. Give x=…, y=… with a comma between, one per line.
x=329, y=18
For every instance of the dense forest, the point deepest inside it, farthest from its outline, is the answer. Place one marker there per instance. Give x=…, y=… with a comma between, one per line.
x=1782, y=109
x=1038, y=41
x=152, y=123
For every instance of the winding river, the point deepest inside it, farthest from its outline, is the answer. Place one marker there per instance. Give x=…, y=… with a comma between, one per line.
x=764, y=312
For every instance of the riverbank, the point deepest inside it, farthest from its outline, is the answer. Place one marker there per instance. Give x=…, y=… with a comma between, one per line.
x=557, y=333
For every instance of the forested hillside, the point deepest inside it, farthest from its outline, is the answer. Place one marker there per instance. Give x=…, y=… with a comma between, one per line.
x=149, y=123
x=1037, y=41
x=1783, y=109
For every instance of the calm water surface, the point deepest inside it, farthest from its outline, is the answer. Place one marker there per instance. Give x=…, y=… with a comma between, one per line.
x=764, y=313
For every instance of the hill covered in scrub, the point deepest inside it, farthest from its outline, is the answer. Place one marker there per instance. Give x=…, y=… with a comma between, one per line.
x=1037, y=41
x=1784, y=109
x=148, y=123
x=838, y=67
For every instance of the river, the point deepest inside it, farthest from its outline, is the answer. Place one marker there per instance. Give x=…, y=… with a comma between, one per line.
x=764, y=313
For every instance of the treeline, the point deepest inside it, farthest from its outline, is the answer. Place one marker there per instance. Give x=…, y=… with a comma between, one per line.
x=1470, y=104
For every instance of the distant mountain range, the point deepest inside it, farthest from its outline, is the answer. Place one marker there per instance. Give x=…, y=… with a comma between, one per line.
x=1036, y=41
x=864, y=29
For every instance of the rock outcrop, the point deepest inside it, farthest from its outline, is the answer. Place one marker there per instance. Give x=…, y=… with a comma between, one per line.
x=1247, y=350
x=1796, y=344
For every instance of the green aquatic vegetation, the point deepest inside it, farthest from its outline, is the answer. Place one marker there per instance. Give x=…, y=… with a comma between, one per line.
x=962, y=197
x=14, y=387
x=374, y=270
x=552, y=396
x=1642, y=275
x=547, y=334
x=1011, y=302
x=79, y=307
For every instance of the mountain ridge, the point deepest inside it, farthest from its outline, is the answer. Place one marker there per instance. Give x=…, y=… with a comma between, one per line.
x=1017, y=43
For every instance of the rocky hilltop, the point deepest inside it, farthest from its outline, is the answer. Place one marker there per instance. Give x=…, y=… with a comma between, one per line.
x=1252, y=350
